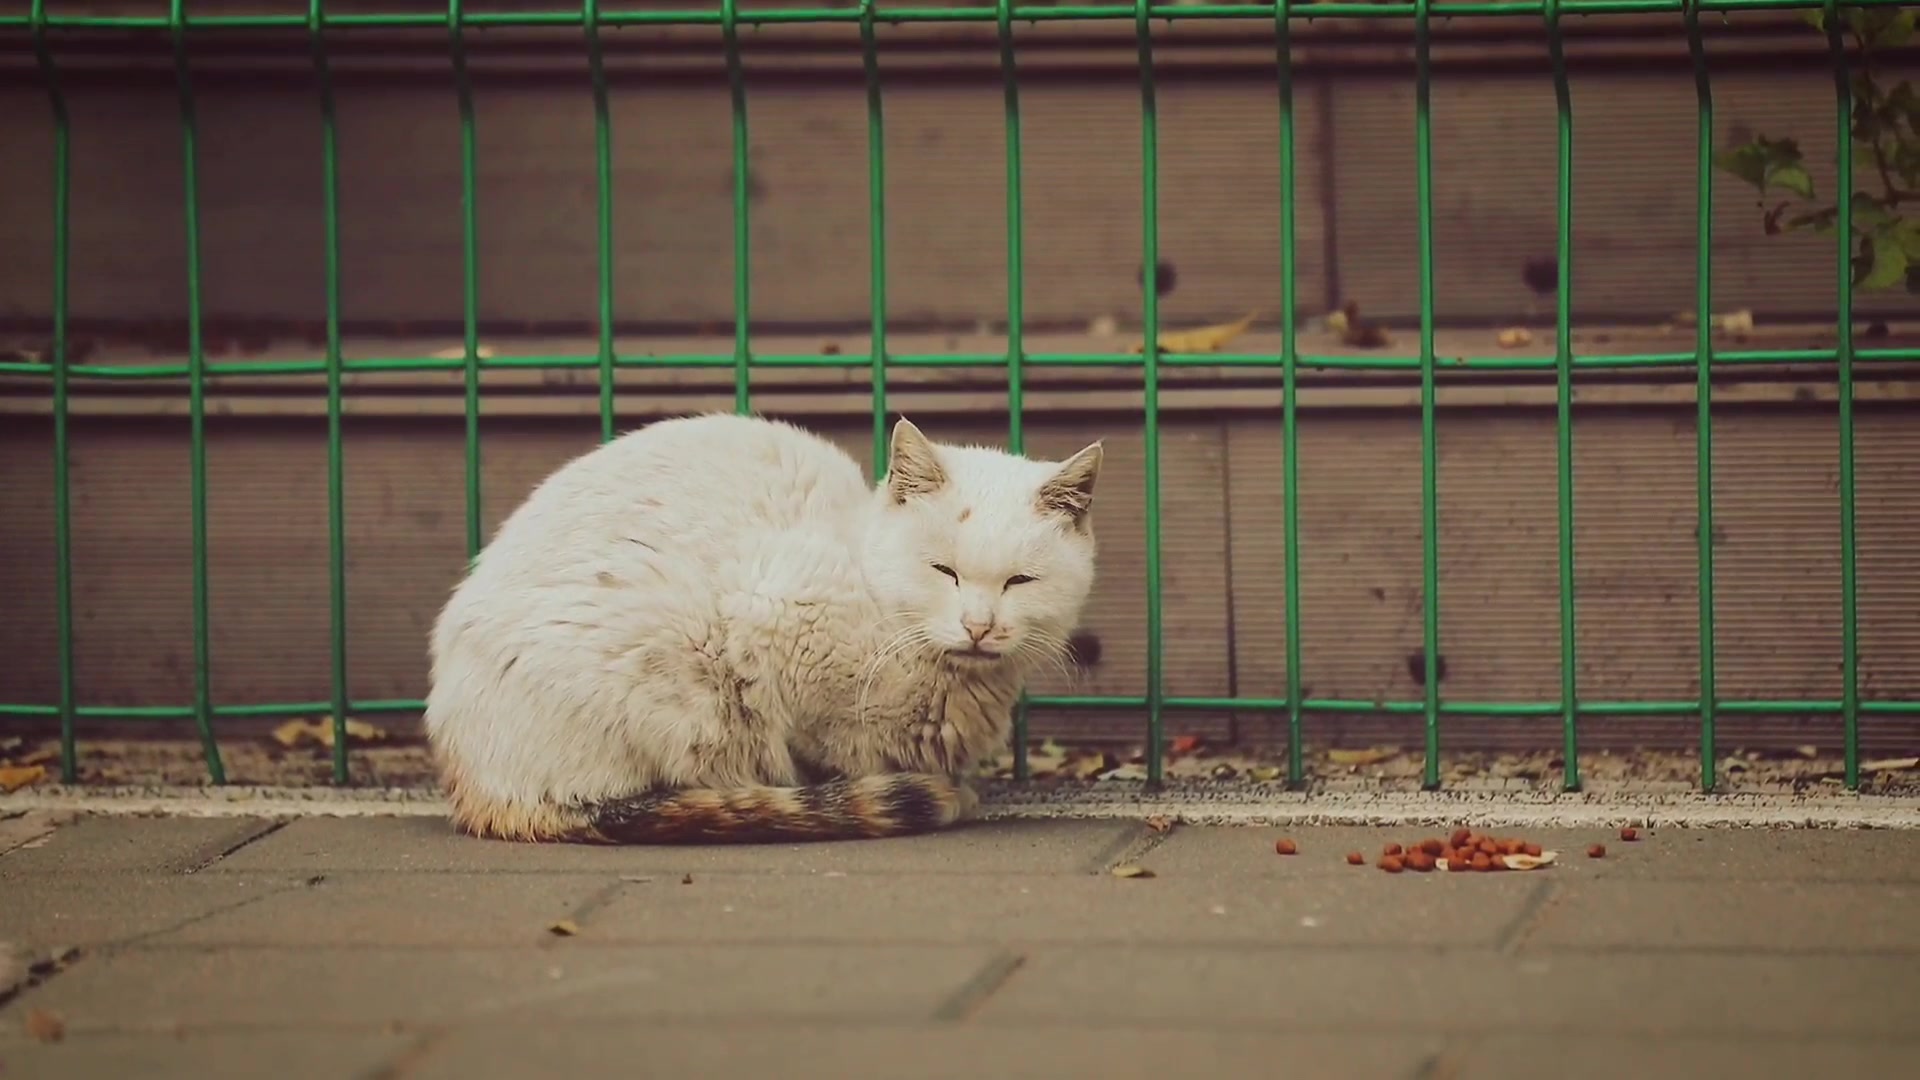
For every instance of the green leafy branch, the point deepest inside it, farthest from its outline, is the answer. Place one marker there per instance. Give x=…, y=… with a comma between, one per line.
x=1885, y=143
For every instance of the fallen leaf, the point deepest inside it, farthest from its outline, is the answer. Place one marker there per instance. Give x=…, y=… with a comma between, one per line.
x=686, y=879
x=45, y=1026
x=1129, y=771
x=1264, y=773
x=1808, y=751
x=1159, y=823
x=1183, y=744
x=1735, y=322
x=43, y=756
x=293, y=733
x=459, y=352
x=1087, y=767
x=1515, y=337
x=1372, y=755
x=15, y=777
x=1131, y=870
x=1891, y=764
x=564, y=928
x=1202, y=339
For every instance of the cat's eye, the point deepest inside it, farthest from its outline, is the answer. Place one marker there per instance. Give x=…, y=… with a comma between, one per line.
x=1018, y=579
x=947, y=570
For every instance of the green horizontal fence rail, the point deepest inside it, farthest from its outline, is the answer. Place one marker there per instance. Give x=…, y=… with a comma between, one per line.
x=39, y=25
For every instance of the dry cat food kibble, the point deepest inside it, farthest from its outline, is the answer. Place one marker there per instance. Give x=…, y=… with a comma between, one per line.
x=1392, y=849
x=1629, y=834
x=1597, y=851
x=1354, y=858
x=1392, y=864
x=1283, y=846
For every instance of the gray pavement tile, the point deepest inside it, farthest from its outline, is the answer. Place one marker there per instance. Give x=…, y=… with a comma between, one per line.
x=1776, y=916
x=404, y=910
x=1660, y=854
x=430, y=844
x=149, y=988
x=1330, y=990
x=1366, y=907
x=95, y=845
x=918, y=1052
x=1609, y=1057
x=291, y=1054
x=61, y=909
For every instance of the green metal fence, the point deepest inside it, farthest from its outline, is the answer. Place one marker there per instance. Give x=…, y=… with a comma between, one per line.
x=39, y=26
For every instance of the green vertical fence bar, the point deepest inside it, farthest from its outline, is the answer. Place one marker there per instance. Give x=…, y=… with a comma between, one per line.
x=1429, y=463
x=603, y=207
x=336, y=468
x=1849, y=599
x=1016, y=301
x=469, y=267
x=1150, y=261
x=1703, y=384
x=196, y=397
x=62, y=485
x=742, y=293
x=1290, y=391
x=876, y=235
x=1563, y=403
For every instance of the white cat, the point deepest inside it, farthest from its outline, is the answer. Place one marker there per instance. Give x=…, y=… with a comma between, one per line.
x=711, y=629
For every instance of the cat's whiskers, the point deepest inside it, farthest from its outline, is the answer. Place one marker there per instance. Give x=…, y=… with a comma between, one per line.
x=913, y=636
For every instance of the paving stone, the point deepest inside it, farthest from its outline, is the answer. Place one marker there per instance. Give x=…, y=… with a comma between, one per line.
x=1334, y=990
x=922, y=1052
x=96, y=845
x=428, y=844
x=1756, y=1056
x=158, y=988
x=284, y=1055
x=1364, y=907
x=103, y=909
x=403, y=910
x=1789, y=916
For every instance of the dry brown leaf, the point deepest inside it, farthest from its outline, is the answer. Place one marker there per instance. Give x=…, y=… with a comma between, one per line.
x=1183, y=744
x=1264, y=773
x=44, y=1025
x=1371, y=755
x=1131, y=870
x=1201, y=339
x=1160, y=823
x=459, y=352
x=43, y=756
x=1514, y=337
x=1891, y=764
x=564, y=928
x=15, y=777
x=295, y=732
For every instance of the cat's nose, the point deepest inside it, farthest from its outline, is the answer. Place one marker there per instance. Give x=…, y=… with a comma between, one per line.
x=977, y=628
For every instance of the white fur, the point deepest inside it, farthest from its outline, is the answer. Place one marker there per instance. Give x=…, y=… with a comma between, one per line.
x=722, y=601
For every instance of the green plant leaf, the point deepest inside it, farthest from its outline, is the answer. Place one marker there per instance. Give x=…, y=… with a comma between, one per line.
x=1889, y=264
x=1906, y=234
x=1896, y=29
x=1815, y=18
x=1817, y=220
x=1792, y=178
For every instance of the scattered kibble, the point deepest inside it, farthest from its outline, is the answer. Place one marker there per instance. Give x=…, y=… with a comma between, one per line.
x=1392, y=864
x=1597, y=851
x=1461, y=837
x=1531, y=849
x=1629, y=834
x=1391, y=849
x=1433, y=848
x=1284, y=846
x=1482, y=861
x=1419, y=861
x=1354, y=858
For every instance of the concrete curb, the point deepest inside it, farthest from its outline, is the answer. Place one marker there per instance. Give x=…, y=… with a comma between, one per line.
x=1223, y=805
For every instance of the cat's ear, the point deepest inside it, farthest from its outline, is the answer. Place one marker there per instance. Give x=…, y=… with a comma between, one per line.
x=913, y=469
x=1069, y=491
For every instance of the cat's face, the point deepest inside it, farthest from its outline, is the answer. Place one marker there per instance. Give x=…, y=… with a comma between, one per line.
x=980, y=556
